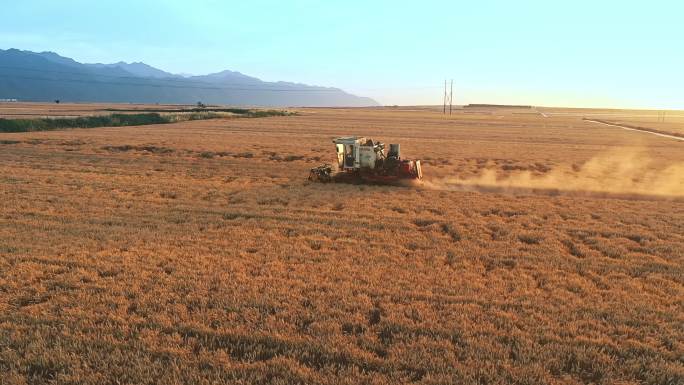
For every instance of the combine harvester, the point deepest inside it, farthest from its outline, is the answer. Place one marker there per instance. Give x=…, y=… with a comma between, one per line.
x=361, y=160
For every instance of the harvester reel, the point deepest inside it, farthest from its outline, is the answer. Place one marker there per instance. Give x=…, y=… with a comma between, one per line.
x=321, y=174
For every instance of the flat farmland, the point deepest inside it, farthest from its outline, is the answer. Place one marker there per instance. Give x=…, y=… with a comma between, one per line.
x=667, y=122
x=540, y=249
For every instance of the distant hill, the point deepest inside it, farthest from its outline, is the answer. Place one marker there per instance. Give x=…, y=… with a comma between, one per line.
x=138, y=69
x=47, y=76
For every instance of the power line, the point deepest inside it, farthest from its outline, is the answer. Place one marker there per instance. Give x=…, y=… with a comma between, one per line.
x=90, y=72
x=95, y=74
x=172, y=86
x=397, y=88
x=201, y=84
x=101, y=82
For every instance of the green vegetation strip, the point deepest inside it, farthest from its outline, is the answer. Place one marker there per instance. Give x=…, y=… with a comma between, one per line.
x=120, y=120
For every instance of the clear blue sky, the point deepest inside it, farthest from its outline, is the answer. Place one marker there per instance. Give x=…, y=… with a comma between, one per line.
x=571, y=53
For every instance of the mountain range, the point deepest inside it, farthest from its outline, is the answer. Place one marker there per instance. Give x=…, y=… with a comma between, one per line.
x=47, y=76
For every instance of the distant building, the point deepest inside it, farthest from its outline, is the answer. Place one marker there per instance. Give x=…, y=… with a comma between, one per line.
x=495, y=106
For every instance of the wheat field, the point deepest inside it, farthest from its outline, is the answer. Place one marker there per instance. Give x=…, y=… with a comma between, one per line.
x=538, y=250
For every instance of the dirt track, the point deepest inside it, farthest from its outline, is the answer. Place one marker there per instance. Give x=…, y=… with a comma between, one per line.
x=638, y=130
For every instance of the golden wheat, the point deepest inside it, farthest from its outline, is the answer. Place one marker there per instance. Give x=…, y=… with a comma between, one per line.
x=197, y=253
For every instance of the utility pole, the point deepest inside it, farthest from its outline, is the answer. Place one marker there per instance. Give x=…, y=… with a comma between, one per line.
x=661, y=116
x=448, y=97
x=444, y=99
x=451, y=95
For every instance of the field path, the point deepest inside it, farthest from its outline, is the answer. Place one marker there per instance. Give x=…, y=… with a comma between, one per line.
x=635, y=129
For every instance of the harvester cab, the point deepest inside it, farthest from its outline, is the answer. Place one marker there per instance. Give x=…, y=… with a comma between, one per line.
x=356, y=153
x=364, y=160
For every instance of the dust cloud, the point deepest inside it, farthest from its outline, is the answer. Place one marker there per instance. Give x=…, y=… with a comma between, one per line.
x=624, y=173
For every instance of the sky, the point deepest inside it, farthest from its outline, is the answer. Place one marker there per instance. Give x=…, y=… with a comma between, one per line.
x=625, y=54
